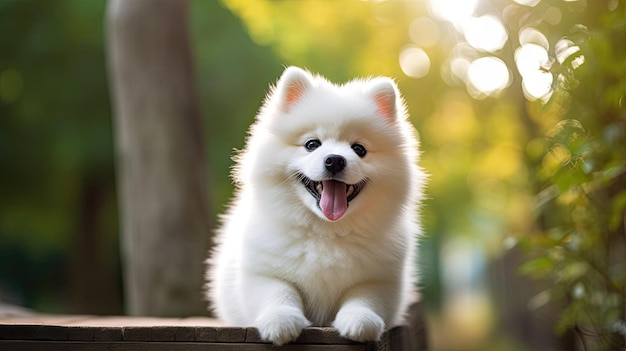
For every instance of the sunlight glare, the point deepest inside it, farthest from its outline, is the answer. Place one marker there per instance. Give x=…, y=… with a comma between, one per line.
x=454, y=11
x=485, y=33
x=488, y=75
x=565, y=48
x=530, y=35
x=529, y=58
x=414, y=62
x=529, y=3
x=536, y=83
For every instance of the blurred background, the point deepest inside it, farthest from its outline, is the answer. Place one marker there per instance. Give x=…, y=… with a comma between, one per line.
x=520, y=109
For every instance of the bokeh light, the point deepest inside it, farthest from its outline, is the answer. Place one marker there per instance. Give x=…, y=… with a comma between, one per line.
x=536, y=82
x=454, y=11
x=530, y=35
x=485, y=33
x=487, y=76
x=537, y=85
x=424, y=32
x=565, y=48
x=529, y=3
x=530, y=58
x=414, y=62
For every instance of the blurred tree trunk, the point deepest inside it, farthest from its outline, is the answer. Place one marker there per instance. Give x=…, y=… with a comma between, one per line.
x=161, y=158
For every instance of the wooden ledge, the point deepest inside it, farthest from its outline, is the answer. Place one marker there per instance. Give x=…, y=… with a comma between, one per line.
x=79, y=332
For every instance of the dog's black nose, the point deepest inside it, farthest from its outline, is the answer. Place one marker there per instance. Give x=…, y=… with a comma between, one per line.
x=335, y=163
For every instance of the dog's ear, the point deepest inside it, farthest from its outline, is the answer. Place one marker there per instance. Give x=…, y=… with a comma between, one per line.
x=384, y=93
x=293, y=83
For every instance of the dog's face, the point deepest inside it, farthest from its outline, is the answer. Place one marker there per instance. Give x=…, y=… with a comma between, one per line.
x=337, y=148
x=332, y=171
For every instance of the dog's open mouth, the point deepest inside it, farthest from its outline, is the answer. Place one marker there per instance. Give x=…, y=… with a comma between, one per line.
x=332, y=195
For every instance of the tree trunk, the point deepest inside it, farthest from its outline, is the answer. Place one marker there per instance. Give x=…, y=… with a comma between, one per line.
x=162, y=175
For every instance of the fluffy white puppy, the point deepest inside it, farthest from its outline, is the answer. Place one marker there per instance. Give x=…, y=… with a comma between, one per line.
x=324, y=224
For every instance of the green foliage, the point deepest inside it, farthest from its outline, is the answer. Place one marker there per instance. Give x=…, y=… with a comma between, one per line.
x=233, y=75
x=56, y=145
x=581, y=181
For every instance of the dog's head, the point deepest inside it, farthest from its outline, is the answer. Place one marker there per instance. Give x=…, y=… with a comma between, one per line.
x=337, y=148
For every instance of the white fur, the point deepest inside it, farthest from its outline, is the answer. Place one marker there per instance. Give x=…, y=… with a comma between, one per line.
x=279, y=264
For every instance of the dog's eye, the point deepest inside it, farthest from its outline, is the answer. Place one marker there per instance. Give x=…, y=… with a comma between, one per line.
x=312, y=144
x=359, y=149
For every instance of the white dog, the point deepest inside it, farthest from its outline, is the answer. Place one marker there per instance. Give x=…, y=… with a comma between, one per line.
x=324, y=225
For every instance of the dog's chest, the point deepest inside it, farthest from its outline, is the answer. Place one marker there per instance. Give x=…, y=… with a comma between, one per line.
x=325, y=254
x=324, y=270
x=326, y=267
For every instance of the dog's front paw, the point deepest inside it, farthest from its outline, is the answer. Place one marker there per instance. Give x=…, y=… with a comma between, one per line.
x=281, y=325
x=359, y=323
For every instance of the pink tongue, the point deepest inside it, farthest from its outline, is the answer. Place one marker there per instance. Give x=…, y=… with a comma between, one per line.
x=333, y=202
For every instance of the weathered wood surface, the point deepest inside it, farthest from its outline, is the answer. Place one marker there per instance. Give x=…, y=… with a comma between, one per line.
x=78, y=332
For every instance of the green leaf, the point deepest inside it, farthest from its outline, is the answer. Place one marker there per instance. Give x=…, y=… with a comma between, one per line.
x=539, y=267
x=617, y=211
x=572, y=272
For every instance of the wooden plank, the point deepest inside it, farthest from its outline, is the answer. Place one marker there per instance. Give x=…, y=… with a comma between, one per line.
x=11, y=345
x=109, y=321
x=15, y=332
x=33, y=332
x=50, y=332
x=107, y=334
x=206, y=334
x=44, y=319
x=230, y=334
x=66, y=332
x=252, y=335
x=81, y=333
x=125, y=321
x=322, y=335
x=137, y=334
x=163, y=333
x=392, y=340
x=199, y=322
x=184, y=334
x=311, y=335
